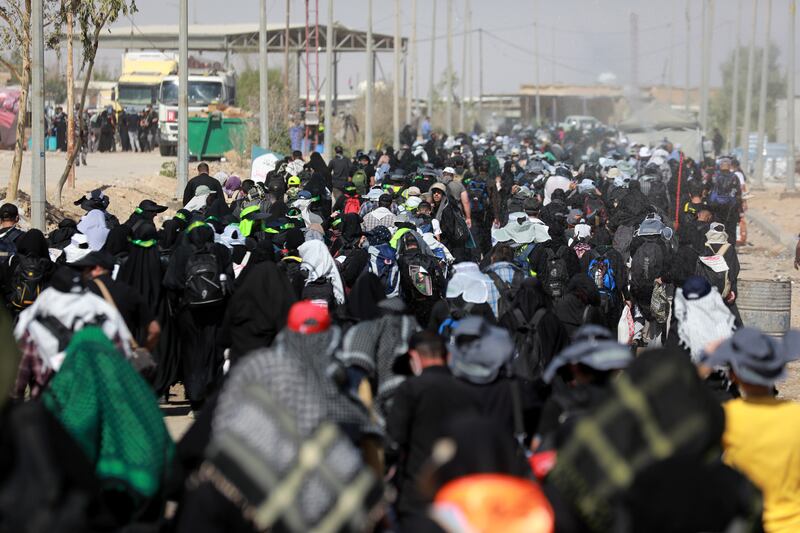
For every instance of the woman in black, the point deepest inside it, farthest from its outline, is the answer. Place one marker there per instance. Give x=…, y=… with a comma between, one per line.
x=199, y=326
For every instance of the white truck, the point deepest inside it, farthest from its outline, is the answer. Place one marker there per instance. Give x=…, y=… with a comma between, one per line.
x=205, y=88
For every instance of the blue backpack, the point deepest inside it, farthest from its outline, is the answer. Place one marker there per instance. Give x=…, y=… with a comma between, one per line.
x=723, y=190
x=522, y=256
x=601, y=272
x=478, y=195
x=383, y=263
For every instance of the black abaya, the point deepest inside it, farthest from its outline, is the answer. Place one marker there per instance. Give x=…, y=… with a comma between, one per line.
x=200, y=353
x=258, y=309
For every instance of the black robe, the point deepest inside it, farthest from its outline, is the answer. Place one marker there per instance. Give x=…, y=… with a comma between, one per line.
x=200, y=351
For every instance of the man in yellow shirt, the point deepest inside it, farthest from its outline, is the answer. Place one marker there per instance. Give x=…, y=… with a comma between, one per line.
x=762, y=433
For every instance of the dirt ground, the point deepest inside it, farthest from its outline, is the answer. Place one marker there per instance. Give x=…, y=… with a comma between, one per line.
x=766, y=257
x=127, y=178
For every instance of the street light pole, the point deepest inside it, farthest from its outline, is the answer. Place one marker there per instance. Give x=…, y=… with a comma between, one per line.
x=748, y=95
x=263, y=87
x=790, y=160
x=370, y=81
x=735, y=98
x=758, y=182
x=330, y=82
x=38, y=178
x=396, y=81
x=183, y=98
x=448, y=119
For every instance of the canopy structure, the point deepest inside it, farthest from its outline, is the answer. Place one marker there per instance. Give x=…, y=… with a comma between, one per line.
x=239, y=38
x=657, y=116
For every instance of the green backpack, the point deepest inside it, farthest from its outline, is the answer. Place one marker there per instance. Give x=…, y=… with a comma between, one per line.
x=360, y=181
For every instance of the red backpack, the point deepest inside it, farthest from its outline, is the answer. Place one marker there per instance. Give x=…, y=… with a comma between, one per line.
x=352, y=205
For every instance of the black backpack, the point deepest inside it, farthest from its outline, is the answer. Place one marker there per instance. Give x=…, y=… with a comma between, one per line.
x=719, y=277
x=528, y=362
x=454, y=228
x=204, y=282
x=508, y=314
x=647, y=264
x=658, y=195
x=555, y=276
x=420, y=277
x=320, y=289
x=27, y=280
x=723, y=190
x=8, y=240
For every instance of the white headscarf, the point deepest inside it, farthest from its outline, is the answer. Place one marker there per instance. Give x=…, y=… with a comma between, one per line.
x=319, y=263
x=702, y=320
x=93, y=225
x=470, y=283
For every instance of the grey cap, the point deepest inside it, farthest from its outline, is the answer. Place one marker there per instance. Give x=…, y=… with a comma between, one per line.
x=593, y=351
x=478, y=350
x=756, y=358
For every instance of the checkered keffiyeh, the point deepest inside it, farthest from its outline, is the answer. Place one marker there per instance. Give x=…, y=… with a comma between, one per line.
x=373, y=346
x=505, y=271
x=379, y=217
x=276, y=454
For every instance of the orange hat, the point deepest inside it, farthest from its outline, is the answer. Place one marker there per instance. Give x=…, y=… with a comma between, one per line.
x=307, y=317
x=493, y=502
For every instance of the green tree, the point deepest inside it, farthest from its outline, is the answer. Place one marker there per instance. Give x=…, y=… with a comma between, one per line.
x=720, y=105
x=92, y=17
x=247, y=86
x=15, y=34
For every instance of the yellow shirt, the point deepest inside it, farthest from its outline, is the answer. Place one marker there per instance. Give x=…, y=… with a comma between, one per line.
x=762, y=440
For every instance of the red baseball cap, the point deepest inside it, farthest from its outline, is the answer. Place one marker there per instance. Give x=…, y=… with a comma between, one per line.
x=308, y=317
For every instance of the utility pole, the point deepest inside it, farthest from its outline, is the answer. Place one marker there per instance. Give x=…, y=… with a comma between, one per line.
x=480, y=75
x=634, y=21
x=183, y=98
x=469, y=71
x=536, y=62
x=463, y=92
x=330, y=83
x=671, y=77
x=411, y=91
x=703, y=71
x=396, y=84
x=263, y=84
x=448, y=119
x=758, y=182
x=433, y=61
x=790, y=160
x=70, y=91
x=688, y=60
x=735, y=99
x=286, y=64
x=708, y=57
x=748, y=95
x=38, y=178
x=370, y=82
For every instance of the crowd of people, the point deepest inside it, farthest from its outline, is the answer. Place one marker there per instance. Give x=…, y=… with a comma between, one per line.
x=529, y=332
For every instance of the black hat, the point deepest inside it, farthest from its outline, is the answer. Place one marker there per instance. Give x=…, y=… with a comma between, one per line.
x=385, y=198
x=8, y=211
x=93, y=200
x=97, y=258
x=150, y=206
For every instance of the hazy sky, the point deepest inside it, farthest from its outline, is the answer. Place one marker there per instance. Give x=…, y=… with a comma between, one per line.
x=578, y=39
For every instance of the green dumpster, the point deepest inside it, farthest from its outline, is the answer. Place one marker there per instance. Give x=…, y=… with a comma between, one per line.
x=210, y=137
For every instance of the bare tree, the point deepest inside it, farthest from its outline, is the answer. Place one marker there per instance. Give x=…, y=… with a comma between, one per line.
x=93, y=17
x=15, y=34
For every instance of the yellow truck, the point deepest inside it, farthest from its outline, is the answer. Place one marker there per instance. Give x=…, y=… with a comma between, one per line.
x=141, y=77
